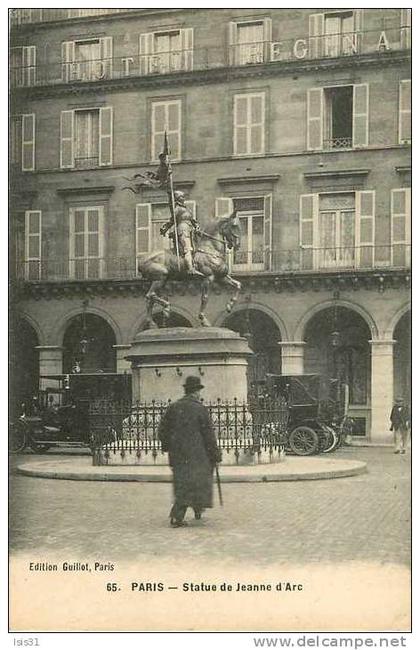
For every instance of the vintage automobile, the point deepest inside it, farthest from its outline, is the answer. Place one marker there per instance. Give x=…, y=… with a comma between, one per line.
x=59, y=416
x=316, y=410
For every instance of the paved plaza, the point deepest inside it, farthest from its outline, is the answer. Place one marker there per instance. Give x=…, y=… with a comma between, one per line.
x=362, y=518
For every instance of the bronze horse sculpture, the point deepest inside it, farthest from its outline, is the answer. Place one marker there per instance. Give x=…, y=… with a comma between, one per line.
x=209, y=258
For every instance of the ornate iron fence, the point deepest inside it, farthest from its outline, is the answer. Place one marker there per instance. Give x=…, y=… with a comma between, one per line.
x=125, y=428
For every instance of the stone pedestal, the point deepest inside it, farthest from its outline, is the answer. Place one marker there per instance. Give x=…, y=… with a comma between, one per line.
x=381, y=390
x=292, y=357
x=161, y=359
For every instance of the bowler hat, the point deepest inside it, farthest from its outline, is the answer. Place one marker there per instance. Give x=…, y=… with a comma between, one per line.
x=192, y=384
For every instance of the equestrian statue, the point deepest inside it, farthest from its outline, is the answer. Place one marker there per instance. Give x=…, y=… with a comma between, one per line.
x=198, y=254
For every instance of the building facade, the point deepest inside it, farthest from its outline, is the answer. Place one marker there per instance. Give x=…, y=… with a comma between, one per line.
x=300, y=121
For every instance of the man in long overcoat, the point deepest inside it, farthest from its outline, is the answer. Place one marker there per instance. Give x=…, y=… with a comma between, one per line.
x=186, y=432
x=400, y=423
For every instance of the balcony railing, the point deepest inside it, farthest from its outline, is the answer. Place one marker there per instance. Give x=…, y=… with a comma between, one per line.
x=303, y=260
x=338, y=143
x=174, y=61
x=86, y=163
x=30, y=16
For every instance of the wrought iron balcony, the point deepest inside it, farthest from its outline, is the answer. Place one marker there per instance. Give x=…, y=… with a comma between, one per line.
x=130, y=64
x=302, y=260
x=339, y=143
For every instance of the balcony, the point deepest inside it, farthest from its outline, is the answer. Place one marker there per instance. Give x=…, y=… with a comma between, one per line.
x=288, y=262
x=243, y=55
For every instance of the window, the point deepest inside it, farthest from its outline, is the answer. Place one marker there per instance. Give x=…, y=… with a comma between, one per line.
x=404, y=122
x=249, y=124
x=337, y=230
x=334, y=34
x=23, y=66
x=33, y=245
x=87, y=60
x=249, y=41
x=23, y=141
x=86, y=138
x=86, y=243
x=166, y=116
x=86, y=144
x=254, y=213
x=338, y=117
x=164, y=52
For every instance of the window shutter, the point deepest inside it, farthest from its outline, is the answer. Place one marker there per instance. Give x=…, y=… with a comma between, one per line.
x=360, y=115
x=267, y=36
x=365, y=228
x=316, y=34
x=187, y=47
x=308, y=230
x=67, y=60
x=16, y=73
x=232, y=42
x=400, y=226
x=143, y=229
x=106, y=57
x=146, y=48
x=315, y=100
x=192, y=207
x=268, y=229
x=28, y=142
x=29, y=65
x=33, y=243
x=358, y=31
x=105, y=135
x=223, y=207
x=405, y=28
x=66, y=139
x=404, y=122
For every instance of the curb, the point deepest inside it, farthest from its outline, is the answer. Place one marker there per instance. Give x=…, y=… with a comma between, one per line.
x=356, y=468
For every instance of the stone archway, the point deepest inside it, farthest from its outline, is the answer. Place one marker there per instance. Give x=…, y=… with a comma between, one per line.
x=88, y=345
x=24, y=364
x=337, y=345
x=263, y=337
x=402, y=357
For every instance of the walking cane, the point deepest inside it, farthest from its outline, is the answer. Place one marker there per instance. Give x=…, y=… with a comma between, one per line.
x=219, y=487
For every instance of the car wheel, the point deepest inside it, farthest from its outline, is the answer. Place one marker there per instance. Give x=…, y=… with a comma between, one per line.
x=17, y=437
x=328, y=440
x=303, y=441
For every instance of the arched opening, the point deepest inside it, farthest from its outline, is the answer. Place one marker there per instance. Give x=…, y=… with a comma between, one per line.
x=263, y=337
x=88, y=345
x=337, y=346
x=24, y=364
x=402, y=358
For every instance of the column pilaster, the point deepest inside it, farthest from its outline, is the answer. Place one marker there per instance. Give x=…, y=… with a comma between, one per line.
x=292, y=357
x=123, y=365
x=382, y=389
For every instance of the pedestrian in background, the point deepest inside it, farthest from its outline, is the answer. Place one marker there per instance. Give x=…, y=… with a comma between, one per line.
x=400, y=423
x=186, y=432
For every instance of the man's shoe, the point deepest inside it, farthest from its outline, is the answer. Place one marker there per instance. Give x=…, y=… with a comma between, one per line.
x=176, y=523
x=197, y=515
x=397, y=451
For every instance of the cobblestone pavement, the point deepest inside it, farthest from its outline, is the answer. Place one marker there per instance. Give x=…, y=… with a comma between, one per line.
x=360, y=518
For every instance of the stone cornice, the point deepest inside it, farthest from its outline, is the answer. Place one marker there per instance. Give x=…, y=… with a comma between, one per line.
x=234, y=180
x=216, y=75
x=268, y=282
x=336, y=173
x=104, y=189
